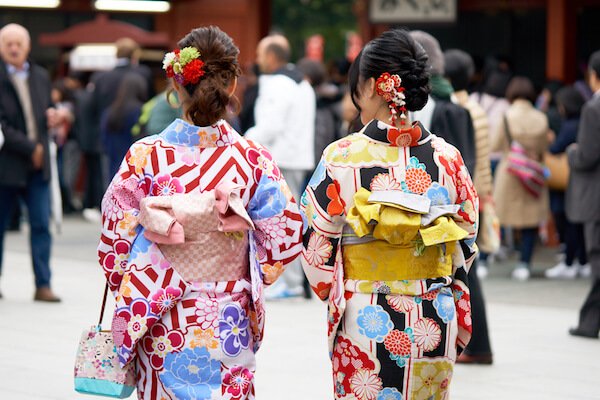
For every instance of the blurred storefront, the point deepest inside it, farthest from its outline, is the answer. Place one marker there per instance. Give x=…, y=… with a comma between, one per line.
x=542, y=39
x=57, y=31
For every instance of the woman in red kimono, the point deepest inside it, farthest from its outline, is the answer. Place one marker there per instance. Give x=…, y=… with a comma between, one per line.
x=392, y=217
x=195, y=223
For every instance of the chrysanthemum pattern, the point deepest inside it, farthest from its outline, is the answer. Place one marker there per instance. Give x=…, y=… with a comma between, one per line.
x=427, y=334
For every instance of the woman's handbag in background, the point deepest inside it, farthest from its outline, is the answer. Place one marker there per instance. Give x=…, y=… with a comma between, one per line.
x=558, y=165
x=529, y=172
x=97, y=368
x=488, y=239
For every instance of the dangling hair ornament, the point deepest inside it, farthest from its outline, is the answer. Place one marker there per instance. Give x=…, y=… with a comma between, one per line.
x=390, y=88
x=184, y=65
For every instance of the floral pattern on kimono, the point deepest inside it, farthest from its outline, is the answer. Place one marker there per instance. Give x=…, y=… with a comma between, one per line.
x=193, y=339
x=394, y=272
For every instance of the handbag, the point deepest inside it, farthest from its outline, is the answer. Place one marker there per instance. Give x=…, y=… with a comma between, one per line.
x=558, y=166
x=97, y=368
x=530, y=173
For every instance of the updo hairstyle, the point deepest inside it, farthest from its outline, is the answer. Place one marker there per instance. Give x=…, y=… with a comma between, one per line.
x=209, y=98
x=396, y=52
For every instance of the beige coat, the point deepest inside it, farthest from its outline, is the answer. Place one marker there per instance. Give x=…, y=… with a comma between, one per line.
x=482, y=178
x=515, y=206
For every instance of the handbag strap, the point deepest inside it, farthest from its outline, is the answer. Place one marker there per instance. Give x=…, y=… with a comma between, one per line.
x=507, y=130
x=103, y=305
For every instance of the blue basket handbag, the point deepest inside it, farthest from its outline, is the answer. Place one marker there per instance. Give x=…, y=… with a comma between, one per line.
x=97, y=368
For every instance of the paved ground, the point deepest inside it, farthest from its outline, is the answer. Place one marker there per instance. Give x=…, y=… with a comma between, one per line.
x=534, y=357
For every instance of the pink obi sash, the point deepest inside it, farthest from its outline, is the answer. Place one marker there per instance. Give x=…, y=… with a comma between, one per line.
x=203, y=235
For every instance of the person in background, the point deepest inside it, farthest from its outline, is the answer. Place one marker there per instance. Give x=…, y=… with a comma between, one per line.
x=119, y=119
x=583, y=197
x=395, y=280
x=328, y=119
x=569, y=103
x=459, y=69
x=26, y=114
x=284, y=116
x=440, y=114
x=67, y=152
x=157, y=113
x=516, y=207
x=249, y=98
x=493, y=101
x=105, y=87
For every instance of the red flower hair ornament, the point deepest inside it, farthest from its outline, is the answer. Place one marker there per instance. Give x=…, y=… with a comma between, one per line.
x=184, y=65
x=390, y=88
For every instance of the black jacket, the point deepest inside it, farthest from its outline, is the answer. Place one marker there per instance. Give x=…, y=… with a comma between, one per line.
x=583, y=193
x=106, y=84
x=454, y=124
x=15, y=155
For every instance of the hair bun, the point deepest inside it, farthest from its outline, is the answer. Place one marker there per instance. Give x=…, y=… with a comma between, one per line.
x=209, y=98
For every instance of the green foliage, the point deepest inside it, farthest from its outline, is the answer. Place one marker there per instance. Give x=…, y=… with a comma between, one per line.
x=300, y=19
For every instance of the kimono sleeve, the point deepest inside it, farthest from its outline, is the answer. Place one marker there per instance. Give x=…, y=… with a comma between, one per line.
x=120, y=209
x=457, y=181
x=277, y=220
x=323, y=212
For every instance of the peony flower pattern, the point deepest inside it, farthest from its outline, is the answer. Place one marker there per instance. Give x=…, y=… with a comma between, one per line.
x=191, y=374
x=115, y=263
x=130, y=323
x=318, y=250
x=233, y=329
x=427, y=334
x=374, y=322
x=237, y=382
x=268, y=200
x=159, y=342
x=263, y=163
x=166, y=185
x=165, y=299
x=365, y=384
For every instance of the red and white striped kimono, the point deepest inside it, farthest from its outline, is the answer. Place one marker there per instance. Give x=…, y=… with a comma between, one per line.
x=195, y=223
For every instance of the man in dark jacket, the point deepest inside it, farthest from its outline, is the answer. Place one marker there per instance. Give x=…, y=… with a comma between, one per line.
x=104, y=88
x=583, y=197
x=24, y=159
x=440, y=115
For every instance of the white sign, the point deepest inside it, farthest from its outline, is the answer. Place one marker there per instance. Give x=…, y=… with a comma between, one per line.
x=93, y=57
x=412, y=11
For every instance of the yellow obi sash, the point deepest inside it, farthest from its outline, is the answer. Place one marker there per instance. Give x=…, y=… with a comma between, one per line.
x=398, y=236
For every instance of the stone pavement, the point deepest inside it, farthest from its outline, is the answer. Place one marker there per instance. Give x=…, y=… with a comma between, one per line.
x=534, y=356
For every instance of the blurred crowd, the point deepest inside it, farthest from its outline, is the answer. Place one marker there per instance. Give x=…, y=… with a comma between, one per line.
x=513, y=137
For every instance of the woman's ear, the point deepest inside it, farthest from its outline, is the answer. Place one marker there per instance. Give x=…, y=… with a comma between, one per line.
x=369, y=87
x=232, y=86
